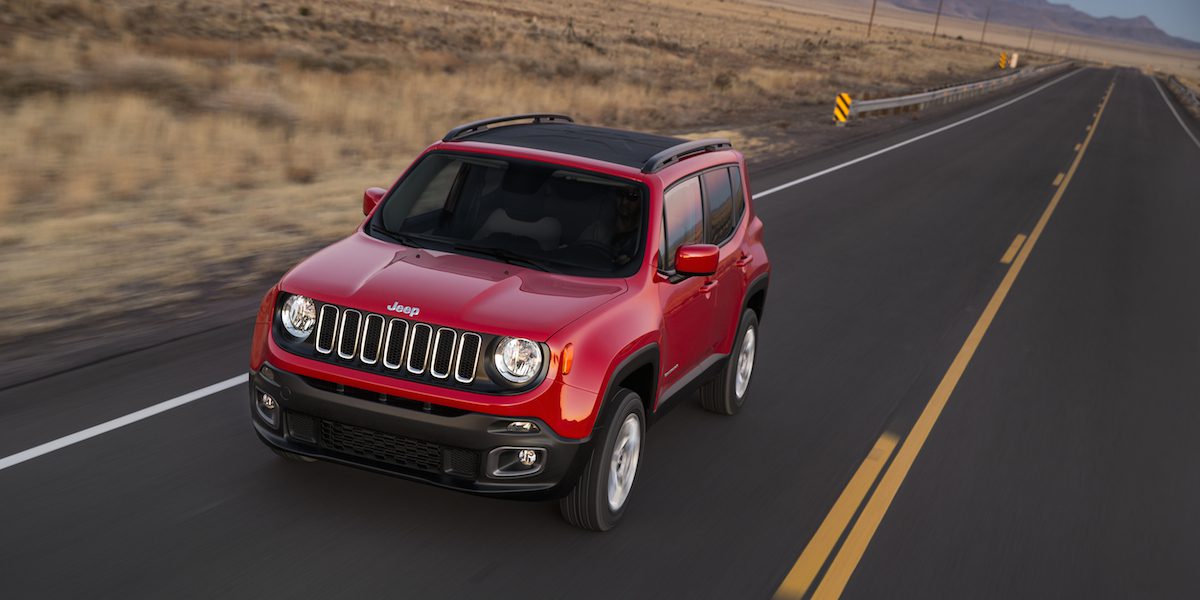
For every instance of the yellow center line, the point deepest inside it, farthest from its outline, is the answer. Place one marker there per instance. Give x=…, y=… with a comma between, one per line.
x=846, y=560
x=1058, y=180
x=1077, y=147
x=817, y=551
x=1011, y=253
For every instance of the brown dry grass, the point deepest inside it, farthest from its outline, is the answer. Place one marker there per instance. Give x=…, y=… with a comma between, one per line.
x=156, y=152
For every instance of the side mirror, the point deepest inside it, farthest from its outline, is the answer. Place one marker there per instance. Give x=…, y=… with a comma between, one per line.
x=371, y=198
x=697, y=259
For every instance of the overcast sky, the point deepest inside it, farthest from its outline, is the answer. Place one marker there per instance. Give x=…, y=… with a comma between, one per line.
x=1176, y=17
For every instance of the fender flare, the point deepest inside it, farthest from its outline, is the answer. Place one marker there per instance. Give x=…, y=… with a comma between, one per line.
x=646, y=355
x=760, y=284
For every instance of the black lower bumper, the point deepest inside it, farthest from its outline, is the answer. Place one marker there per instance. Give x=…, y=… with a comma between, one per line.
x=446, y=447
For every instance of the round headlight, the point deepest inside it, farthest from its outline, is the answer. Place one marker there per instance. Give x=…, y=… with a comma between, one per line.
x=518, y=360
x=299, y=316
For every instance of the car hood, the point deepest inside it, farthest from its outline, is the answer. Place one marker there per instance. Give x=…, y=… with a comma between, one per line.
x=448, y=289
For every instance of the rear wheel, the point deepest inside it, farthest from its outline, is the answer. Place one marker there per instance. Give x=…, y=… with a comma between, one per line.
x=734, y=383
x=602, y=492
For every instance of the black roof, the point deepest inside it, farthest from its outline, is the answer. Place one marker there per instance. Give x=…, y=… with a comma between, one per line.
x=629, y=148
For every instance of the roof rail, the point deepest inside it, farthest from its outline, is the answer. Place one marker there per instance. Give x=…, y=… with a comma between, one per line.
x=674, y=154
x=481, y=125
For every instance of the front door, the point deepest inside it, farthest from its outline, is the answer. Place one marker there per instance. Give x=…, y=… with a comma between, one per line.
x=688, y=302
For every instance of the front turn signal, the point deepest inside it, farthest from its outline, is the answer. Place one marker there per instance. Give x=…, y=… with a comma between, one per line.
x=568, y=358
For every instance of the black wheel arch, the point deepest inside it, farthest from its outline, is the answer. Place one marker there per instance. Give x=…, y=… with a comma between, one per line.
x=637, y=372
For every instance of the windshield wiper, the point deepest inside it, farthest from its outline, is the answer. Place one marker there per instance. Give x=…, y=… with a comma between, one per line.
x=408, y=239
x=505, y=255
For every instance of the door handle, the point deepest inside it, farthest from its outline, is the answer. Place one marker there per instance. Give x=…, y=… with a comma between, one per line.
x=744, y=261
x=708, y=286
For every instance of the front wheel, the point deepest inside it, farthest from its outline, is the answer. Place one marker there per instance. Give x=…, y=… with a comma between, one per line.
x=734, y=383
x=602, y=492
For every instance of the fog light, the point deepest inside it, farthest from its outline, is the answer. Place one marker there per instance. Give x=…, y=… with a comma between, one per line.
x=523, y=427
x=268, y=409
x=516, y=462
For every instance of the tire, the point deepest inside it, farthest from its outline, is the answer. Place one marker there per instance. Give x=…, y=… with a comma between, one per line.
x=732, y=386
x=593, y=504
x=284, y=454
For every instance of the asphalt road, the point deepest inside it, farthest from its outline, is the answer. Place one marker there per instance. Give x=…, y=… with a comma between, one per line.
x=1064, y=463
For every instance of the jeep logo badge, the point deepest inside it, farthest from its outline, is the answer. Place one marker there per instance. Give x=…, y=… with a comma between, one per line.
x=411, y=311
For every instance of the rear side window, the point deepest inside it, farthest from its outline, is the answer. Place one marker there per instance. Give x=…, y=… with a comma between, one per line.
x=719, y=192
x=739, y=195
x=684, y=218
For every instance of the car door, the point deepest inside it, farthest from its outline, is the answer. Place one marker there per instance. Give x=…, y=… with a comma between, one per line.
x=687, y=302
x=724, y=205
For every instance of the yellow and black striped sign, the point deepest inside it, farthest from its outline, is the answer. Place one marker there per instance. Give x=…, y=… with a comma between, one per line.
x=841, y=109
x=1003, y=60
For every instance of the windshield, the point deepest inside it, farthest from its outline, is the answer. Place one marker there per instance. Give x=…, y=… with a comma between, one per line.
x=529, y=214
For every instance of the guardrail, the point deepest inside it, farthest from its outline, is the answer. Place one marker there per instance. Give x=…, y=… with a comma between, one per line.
x=861, y=108
x=1184, y=92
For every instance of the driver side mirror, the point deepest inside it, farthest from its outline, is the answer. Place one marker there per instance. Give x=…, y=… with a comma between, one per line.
x=371, y=198
x=697, y=259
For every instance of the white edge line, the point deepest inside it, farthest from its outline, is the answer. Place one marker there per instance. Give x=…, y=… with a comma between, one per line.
x=1173, y=111
x=119, y=422
x=150, y=411
x=911, y=140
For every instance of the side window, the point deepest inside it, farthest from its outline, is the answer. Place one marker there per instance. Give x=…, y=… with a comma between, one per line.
x=718, y=191
x=683, y=217
x=739, y=195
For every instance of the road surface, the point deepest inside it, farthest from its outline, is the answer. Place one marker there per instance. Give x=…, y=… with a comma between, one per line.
x=1061, y=462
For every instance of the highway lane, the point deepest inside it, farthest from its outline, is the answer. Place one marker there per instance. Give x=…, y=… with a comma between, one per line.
x=881, y=268
x=1065, y=462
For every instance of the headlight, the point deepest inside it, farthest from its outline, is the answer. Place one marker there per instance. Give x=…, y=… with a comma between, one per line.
x=517, y=359
x=299, y=316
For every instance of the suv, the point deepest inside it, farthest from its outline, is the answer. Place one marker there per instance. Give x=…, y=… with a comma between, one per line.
x=515, y=309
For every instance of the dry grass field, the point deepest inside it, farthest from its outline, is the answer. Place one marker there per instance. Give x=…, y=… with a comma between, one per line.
x=156, y=154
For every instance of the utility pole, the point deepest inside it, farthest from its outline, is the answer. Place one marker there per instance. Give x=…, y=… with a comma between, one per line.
x=987, y=17
x=1068, y=52
x=937, y=20
x=1029, y=42
x=871, y=21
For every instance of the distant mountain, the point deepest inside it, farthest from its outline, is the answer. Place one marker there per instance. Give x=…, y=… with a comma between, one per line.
x=1048, y=16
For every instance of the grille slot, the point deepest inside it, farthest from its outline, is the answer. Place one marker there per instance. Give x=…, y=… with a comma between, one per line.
x=418, y=348
x=301, y=427
x=382, y=447
x=351, y=324
x=443, y=353
x=393, y=348
x=326, y=328
x=372, y=339
x=468, y=358
x=462, y=462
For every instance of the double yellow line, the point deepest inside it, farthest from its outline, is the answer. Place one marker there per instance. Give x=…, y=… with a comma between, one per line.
x=804, y=573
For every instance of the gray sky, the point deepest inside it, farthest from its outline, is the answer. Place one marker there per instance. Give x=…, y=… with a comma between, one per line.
x=1176, y=17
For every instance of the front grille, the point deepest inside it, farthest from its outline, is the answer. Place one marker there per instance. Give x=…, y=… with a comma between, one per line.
x=371, y=339
x=387, y=448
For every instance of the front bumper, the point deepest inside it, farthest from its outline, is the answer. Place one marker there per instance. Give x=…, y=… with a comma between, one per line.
x=388, y=434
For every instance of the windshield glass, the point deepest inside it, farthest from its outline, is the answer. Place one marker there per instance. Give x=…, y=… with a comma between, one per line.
x=525, y=213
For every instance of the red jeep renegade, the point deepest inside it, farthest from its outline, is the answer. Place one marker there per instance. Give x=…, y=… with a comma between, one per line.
x=515, y=309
